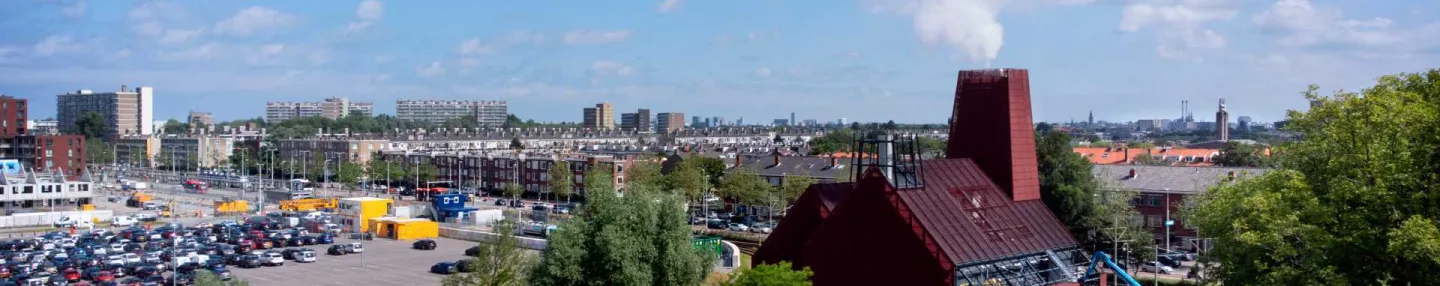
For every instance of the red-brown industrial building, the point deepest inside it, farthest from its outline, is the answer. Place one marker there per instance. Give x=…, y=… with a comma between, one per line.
x=972, y=218
x=42, y=153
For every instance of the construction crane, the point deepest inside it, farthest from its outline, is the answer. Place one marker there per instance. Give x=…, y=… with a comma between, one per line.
x=1101, y=257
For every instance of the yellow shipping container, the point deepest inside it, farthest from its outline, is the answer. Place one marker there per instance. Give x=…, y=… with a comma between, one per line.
x=355, y=213
x=406, y=228
x=231, y=206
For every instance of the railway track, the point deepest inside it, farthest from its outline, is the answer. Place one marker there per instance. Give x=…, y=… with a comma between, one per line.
x=746, y=247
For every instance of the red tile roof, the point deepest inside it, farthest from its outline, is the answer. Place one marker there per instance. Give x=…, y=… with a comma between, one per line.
x=972, y=220
x=1117, y=155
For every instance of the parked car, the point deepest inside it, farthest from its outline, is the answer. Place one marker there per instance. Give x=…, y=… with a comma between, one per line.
x=273, y=259
x=444, y=268
x=425, y=244
x=1156, y=267
x=472, y=251
x=764, y=227
x=305, y=256
x=337, y=250
x=250, y=261
x=356, y=247
x=738, y=227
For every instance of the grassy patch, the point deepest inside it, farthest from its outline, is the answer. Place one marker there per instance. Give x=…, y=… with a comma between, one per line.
x=744, y=262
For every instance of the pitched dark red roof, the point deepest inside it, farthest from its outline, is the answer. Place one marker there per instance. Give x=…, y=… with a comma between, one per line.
x=972, y=220
x=810, y=210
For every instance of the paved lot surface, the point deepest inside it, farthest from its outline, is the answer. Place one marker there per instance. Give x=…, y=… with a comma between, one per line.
x=385, y=262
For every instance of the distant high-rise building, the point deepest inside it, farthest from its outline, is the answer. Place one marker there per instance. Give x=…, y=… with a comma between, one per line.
x=1091, y=123
x=782, y=122
x=639, y=121
x=720, y=121
x=812, y=122
x=332, y=108
x=1222, y=123
x=740, y=122
x=602, y=116
x=792, y=118
x=1244, y=123
x=486, y=112
x=695, y=122
x=670, y=121
x=1149, y=125
x=126, y=112
x=198, y=120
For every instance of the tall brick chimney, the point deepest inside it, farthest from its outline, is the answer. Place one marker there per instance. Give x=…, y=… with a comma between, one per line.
x=991, y=124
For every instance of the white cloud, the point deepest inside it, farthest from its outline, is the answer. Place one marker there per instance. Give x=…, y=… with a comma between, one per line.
x=1179, y=25
x=762, y=73
x=76, y=10
x=472, y=47
x=434, y=69
x=526, y=37
x=1299, y=23
x=969, y=26
x=319, y=57
x=367, y=14
x=595, y=37
x=609, y=68
x=196, y=53
x=668, y=5
x=149, y=18
x=55, y=44
x=469, y=62
x=253, y=20
x=179, y=36
x=265, y=53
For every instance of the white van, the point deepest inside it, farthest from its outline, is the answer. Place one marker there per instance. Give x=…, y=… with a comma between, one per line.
x=75, y=221
x=123, y=221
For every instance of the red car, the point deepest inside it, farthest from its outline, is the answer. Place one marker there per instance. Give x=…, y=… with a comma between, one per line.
x=72, y=275
x=104, y=276
x=5, y=272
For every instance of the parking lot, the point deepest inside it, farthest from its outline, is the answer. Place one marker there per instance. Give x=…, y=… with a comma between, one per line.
x=385, y=262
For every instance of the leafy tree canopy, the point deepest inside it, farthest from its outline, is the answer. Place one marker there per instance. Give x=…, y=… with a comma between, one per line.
x=91, y=124
x=1355, y=202
x=781, y=274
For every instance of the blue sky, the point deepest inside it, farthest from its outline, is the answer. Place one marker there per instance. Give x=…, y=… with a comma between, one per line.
x=867, y=60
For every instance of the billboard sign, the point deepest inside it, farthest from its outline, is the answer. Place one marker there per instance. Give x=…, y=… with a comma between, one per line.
x=10, y=166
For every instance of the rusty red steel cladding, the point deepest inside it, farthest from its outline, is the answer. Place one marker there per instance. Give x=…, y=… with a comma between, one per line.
x=870, y=239
x=788, y=238
x=992, y=125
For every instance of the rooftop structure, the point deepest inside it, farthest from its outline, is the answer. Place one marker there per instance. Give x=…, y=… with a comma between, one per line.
x=973, y=218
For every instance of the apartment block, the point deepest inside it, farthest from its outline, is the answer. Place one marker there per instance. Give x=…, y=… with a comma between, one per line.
x=355, y=150
x=493, y=173
x=137, y=151
x=602, y=116
x=332, y=108
x=670, y=121
x=189, y=153
x=43, y=127
x=126, y=112
x=638, y=121
x=487, y=113
x=13, y=116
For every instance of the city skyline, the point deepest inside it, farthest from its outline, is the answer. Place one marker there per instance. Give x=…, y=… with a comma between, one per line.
x=546, y=60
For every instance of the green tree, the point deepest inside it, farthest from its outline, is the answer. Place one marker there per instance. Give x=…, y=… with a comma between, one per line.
x=1067, y=186
x=173, y=126
x=166, y=158
x=207, y=278
x=689, y=180
x=562, y=180
x=790, y=190
x=931, y=146
x=499, y=263
x=640, y=238
x=516, y=144
x=1139, y=145
x=91, y=124
x=647, y=173
x=834, y=141
x=712, y=167
x=781, y=274
x=514, y=190
x=1236, y=154
x=349, y=173
x=97, y=152
x=746, y=187
x=1354, y=202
